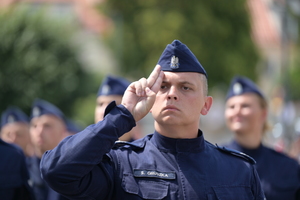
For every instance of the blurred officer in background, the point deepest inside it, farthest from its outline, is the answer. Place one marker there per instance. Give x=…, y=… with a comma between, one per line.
x=47, y=128
x=246, y=115
x=13, y=173
x=175, y=162
x=111, y=89
x=15, y=129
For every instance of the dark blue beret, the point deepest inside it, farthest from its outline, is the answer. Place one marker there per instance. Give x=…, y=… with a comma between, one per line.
x=113, y=85
x=13, y=114
x=240, y=85
x=177, y=57
x=41, y=107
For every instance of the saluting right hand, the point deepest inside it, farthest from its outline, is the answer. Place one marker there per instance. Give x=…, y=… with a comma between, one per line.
x=140, y=95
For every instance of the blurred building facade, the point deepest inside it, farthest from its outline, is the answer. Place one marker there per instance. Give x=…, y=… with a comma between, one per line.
x=83, y=11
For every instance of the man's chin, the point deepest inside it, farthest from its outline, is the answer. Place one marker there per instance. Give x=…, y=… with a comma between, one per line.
x=238, y=129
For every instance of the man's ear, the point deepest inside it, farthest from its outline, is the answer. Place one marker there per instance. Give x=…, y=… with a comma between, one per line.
x=207, y=105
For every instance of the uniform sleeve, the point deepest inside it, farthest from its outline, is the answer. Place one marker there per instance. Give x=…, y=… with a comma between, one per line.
x=256, y=186
x=77, y=167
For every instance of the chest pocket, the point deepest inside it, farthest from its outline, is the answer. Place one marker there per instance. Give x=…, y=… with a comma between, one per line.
x=231, y=193
x=146, y=189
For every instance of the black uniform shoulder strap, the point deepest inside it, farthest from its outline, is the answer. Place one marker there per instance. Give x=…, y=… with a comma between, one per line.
x=129, y=145
x=236, y=153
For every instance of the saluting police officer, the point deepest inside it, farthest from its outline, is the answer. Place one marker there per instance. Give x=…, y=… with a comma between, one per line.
x=246, y=116
x=175, y=162
x=48, y=127
x=111, y=89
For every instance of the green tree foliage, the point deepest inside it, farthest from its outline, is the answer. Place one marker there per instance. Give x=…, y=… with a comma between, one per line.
x=292, y=80
x=218, y=34
x=38, y=59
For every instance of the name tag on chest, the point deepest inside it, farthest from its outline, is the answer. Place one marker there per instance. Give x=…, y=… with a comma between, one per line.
x=154, y=174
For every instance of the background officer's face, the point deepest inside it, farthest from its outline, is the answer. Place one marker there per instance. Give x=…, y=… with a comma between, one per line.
x=101, y=104
x=46, y=132
x=17, y=133
x=244, y=113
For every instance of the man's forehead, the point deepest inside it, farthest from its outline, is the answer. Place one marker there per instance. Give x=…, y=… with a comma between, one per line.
x=108, y=98
x=243, y=98
x=47, y=118
x=182, y=76
x=15, y=125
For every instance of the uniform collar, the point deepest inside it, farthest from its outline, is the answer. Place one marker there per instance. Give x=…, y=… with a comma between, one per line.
x=255, y=153
x=179, y=145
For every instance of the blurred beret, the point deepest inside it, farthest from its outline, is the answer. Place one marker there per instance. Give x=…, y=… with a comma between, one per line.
x=41, y=107
x=113, y=85
x=177, y=57
x=13, y=114
x=241, y=85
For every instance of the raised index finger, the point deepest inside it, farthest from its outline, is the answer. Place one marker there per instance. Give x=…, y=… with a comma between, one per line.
x=154, y=76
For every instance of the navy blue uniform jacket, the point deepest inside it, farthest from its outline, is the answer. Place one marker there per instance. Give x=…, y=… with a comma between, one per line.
x=89, y=165
x=279, y=174
x=13, y=173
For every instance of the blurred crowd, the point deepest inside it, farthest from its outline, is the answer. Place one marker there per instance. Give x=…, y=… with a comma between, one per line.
x=25, y=138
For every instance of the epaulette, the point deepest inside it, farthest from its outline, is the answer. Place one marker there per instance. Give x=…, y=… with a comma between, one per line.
x=236, y=153
x=125, y=144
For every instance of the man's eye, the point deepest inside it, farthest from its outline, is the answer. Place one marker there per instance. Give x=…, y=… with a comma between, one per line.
x=186, y=88
x=230, y=106
x=163, y=87
x=245, y=105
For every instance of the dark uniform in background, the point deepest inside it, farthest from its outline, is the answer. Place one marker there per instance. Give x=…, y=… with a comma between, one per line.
x=41, y=189
x=14, y=175
x=90, y=165
x=279, y=174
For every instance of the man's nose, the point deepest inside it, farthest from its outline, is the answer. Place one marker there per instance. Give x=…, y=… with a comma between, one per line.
x=39, y=130
x=237, y=110
x=172, y=94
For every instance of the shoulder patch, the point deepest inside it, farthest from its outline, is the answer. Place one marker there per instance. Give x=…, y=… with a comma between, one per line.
x=236, y=153
x=130, y=145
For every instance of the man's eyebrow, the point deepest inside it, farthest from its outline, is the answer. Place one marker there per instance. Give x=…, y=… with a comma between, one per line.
x=187, y=82
x=180, y=82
